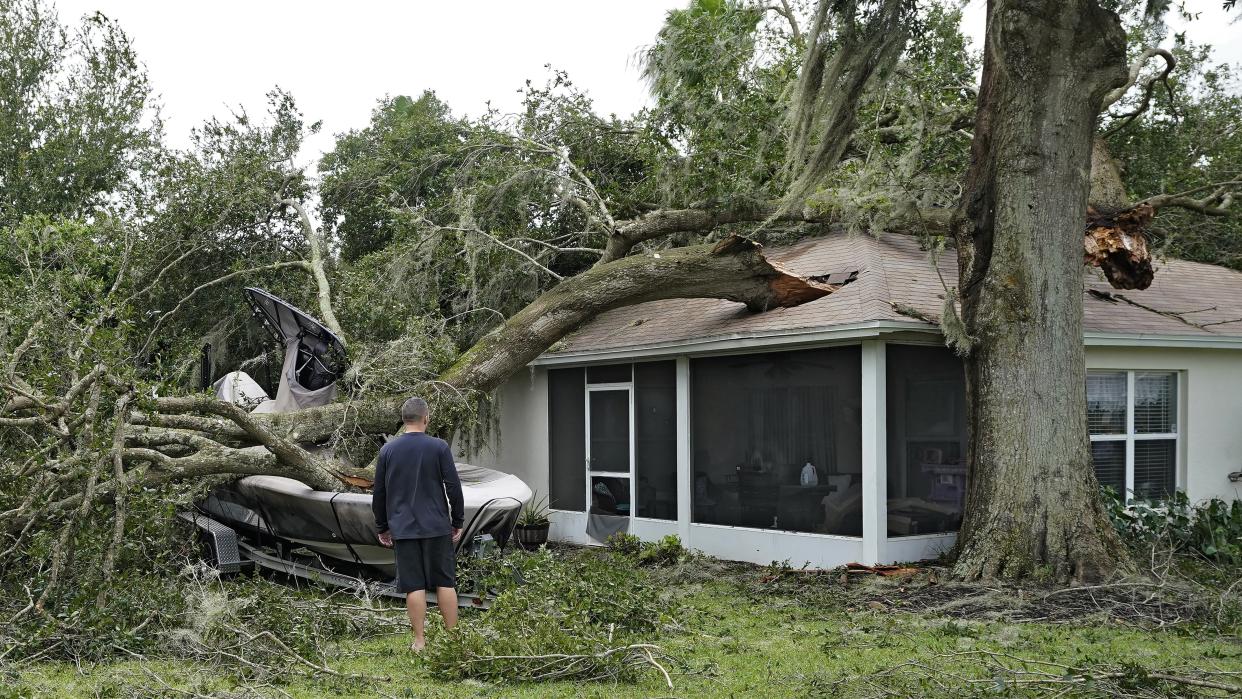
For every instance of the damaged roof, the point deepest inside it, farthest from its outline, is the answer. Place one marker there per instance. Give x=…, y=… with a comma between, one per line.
x=889, y=278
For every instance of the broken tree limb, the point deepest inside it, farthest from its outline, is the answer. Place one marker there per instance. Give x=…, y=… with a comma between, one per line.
x=733, y=269
x=323, y=295
x=201, y=436
x=1115, y=242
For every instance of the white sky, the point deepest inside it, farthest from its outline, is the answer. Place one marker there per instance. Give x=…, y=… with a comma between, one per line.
x=338, y=58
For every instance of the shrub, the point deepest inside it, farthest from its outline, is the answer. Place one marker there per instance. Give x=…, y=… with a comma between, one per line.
x=1212, y=529
x=665, y=552
x=623, y=544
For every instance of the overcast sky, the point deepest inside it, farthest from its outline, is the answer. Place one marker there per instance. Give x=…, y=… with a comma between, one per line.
x=338, y=58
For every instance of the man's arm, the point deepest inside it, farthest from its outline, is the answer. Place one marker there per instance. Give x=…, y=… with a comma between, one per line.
x=452, y=488
x=379, y=501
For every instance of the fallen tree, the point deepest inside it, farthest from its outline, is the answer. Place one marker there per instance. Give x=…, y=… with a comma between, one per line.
x=96, y=417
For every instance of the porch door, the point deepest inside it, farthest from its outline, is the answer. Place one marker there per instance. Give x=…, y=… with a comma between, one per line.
x=610, y=449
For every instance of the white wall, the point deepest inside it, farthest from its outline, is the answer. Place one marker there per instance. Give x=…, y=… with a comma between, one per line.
x=1209, y=411
x=521, y=445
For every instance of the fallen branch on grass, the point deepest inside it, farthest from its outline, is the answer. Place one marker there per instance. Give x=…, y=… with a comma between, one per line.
x=587, y=667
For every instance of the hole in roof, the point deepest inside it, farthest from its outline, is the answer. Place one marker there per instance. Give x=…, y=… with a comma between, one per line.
x=837, y=278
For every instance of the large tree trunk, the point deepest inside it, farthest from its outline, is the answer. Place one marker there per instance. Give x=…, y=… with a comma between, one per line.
x=1032, y=507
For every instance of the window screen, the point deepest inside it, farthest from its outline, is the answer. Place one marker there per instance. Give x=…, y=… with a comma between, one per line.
x=609, y=373
x=609, y=440
x=760, y=422
x=1106, y=402
x=655, y=443
x=567, y=439
x=1155, y=403
x=926, y=399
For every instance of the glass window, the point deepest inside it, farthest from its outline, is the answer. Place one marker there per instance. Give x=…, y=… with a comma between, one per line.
x=1132, y=417
x=567, y=439
x=777, y=441
x=1155, y=466
x=1110, y=463
x=1155, y=403
x=655, y=439
x=1106, y=402
x=926, y=403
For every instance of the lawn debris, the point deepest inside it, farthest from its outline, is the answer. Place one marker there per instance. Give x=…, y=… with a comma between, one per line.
x=888, y=571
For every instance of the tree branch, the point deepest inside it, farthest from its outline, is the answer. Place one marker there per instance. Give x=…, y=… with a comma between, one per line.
x=1216, y=203
x=733, y=269
x=300, y=264
x=324, y=295
x=1135, y=69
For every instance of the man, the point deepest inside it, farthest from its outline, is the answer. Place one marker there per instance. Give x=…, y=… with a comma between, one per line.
x=419, y=513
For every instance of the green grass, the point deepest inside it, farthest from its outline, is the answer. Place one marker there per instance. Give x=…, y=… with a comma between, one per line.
x=735, y=637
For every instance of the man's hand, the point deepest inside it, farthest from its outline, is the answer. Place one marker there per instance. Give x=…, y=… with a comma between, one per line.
x=385, y=539
x=456, y=534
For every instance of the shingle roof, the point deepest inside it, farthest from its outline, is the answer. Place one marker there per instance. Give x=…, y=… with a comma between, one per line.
x=892, y=269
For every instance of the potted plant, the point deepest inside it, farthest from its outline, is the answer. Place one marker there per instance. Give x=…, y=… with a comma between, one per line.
x=531, y=530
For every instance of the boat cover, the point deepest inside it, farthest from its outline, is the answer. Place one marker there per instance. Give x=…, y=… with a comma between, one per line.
x=237, y=387
x=342, y=526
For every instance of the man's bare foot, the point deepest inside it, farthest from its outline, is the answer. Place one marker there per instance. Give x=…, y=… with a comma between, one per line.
x=418, y=645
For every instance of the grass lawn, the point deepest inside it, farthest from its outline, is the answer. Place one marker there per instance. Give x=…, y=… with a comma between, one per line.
x=742, y=631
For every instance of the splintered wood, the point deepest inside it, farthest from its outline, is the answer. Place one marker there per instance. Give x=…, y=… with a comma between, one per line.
x=1115, y=242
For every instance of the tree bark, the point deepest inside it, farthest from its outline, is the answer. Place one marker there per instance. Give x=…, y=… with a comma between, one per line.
x=1032, y=506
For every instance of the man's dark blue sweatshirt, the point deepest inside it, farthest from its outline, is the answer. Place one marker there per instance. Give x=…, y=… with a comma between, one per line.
x=415, y=484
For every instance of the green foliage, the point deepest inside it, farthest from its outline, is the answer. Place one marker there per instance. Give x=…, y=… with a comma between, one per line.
x=1212, y=529
x=1188, y=138
x=534, y=513
x=718, y=71
x=77, y=120
x=581, y=603
x=667, y=551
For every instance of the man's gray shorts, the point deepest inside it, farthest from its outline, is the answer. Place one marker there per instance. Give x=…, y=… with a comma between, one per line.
x=425, y=564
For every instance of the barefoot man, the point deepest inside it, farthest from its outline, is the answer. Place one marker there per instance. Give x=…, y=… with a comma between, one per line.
x=418, y=513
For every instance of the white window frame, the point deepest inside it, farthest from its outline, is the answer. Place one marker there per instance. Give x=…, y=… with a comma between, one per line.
x=1130, y=437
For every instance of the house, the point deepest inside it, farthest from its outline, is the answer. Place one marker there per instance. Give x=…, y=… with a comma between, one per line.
x=835, y=431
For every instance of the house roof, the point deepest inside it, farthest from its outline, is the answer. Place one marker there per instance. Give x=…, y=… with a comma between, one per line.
x=1188, y=300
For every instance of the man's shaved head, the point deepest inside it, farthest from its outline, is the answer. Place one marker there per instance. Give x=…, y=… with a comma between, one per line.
x=415, y=410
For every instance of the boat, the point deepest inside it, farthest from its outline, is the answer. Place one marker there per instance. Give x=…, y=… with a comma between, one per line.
x=282, y=523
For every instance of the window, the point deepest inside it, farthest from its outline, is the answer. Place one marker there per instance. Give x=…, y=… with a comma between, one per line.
x=777, y=441
x=1132, y=417
x=926, y=400
x=616, y=427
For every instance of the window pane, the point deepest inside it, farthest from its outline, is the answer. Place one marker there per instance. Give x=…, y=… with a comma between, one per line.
x=1155, y=402
x=1110, y=464
x=1106, y=402
x=609, y=373
x=926, y=440
x=778, y=440
x=609, y=441
x=655, y=439
x=1155, y=468
x=610, y=496
x=567, y=439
